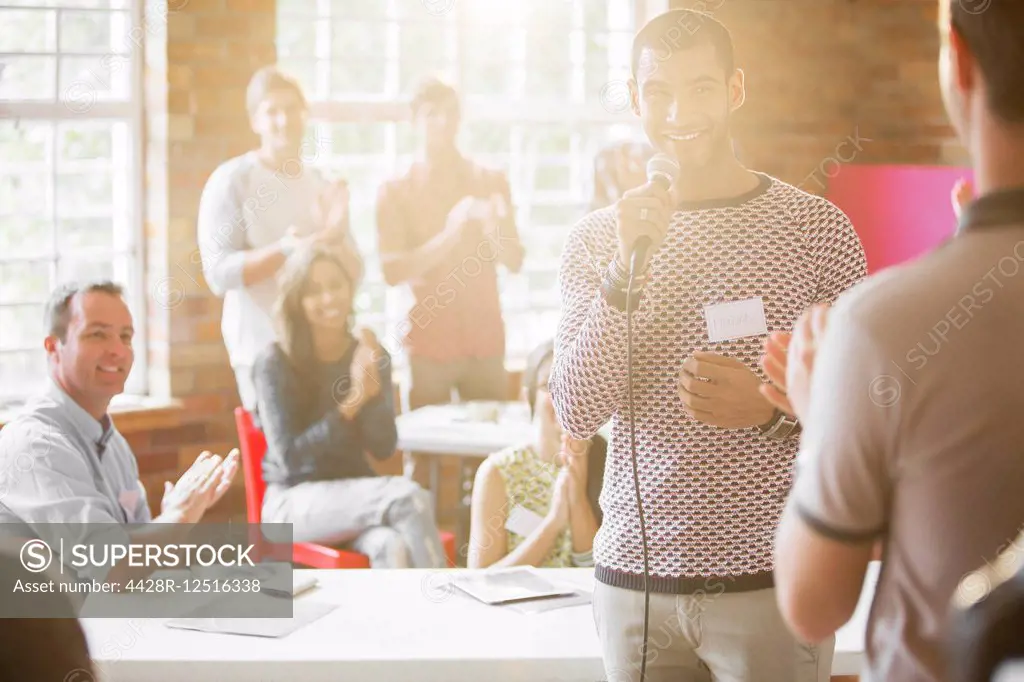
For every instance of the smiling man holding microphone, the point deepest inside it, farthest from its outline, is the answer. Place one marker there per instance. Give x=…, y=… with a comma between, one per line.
x=732, y=254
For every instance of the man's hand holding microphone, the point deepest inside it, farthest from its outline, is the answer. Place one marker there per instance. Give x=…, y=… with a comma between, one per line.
x=642, y=215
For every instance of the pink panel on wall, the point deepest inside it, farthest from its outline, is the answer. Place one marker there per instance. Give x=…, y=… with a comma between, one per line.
x=900, y=212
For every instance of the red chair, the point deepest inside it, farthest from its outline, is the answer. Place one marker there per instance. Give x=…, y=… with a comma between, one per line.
x=253, y=445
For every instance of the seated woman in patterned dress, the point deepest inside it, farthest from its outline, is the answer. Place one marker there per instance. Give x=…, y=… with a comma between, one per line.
x=537, y=504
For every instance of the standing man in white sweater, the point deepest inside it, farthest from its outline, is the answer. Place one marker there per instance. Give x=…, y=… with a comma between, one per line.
x=256, y=209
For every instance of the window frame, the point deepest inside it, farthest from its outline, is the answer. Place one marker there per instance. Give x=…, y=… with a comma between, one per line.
x=580, y=112
x=131, y=112
x=391, y=107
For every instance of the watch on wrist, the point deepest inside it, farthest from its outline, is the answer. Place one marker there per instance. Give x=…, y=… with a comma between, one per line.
x=780, y=427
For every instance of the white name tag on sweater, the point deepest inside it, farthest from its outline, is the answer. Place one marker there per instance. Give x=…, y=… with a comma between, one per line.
x=735, y=320
x=522, y=521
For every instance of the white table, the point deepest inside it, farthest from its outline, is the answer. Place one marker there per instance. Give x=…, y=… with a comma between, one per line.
x=451, y=429
x=391, y=625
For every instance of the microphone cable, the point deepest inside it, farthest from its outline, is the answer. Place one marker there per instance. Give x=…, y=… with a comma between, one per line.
x=636, y=475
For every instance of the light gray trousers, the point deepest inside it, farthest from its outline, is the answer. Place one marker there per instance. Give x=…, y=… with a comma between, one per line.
x=388, y=518
x=714, y=637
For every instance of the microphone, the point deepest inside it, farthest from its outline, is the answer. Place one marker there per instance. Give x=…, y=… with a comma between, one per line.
x=663, y=171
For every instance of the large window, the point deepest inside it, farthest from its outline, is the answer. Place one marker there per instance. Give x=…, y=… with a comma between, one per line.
x=534, y=76
x=69, y=172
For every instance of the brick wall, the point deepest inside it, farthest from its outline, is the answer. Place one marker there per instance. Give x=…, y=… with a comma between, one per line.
x=819, y=73
x=198, y=61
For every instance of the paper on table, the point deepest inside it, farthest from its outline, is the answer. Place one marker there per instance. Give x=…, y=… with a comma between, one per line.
x=304, y=613
x=501, y=586
x=581, y=598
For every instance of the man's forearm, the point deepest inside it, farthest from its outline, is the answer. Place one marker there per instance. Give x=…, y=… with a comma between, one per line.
x=817, y=580
x=407, y=266
x=588, y=377
x=262, y=263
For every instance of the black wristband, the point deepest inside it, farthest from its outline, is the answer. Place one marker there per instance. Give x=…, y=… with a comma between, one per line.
x=620, y=276
x=621, y=273
x=614, y=296
x=614, y=288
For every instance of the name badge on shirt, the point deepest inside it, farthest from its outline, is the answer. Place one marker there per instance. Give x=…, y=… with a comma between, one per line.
x=522, y=521
x=735, y=320
x=129, y=500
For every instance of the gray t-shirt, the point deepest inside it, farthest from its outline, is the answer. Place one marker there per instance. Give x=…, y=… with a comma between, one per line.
x=916, y=432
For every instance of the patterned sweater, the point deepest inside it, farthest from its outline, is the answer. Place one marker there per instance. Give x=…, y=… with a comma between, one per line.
x=712, y=497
